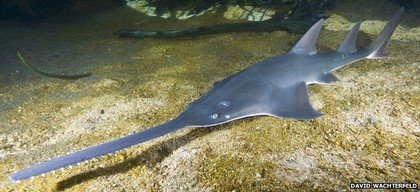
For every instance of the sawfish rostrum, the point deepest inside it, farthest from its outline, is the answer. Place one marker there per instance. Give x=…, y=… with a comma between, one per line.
x=274, y=87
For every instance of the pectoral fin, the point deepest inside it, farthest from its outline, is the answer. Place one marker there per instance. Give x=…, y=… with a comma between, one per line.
x=293, y=102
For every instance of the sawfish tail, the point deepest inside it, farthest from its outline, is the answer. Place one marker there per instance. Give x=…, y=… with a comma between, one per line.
x=99, y=150
x=376, y=48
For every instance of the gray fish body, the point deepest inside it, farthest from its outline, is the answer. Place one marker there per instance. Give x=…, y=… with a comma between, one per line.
x=251, y=92
x=257, y=90
x=274, y=87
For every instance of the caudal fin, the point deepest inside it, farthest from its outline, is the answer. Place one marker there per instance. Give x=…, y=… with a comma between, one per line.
x=376, y=48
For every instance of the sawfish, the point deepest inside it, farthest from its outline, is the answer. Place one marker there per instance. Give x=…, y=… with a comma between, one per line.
x=274, y=87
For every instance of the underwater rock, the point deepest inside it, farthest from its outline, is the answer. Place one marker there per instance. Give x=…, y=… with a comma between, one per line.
x=295, y=18
x=238, y=10
x=249, y=13
x=142, y=6
x=233, y=12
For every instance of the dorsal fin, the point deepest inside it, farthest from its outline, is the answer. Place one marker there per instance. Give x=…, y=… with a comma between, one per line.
x=349, y=43
x=306, y=44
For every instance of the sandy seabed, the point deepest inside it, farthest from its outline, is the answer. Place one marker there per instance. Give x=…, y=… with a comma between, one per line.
x=370, y=131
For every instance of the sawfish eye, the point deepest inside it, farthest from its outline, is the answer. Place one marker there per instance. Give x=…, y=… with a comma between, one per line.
x=214, y=115
x=224, y=104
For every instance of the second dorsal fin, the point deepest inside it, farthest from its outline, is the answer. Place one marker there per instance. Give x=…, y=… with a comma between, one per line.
x=306, y=44
x=349, y=43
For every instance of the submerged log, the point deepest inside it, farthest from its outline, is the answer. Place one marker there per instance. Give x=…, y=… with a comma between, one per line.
x=262, y=26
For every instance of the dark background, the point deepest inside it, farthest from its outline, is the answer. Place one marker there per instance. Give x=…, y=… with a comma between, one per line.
x=33, y=10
